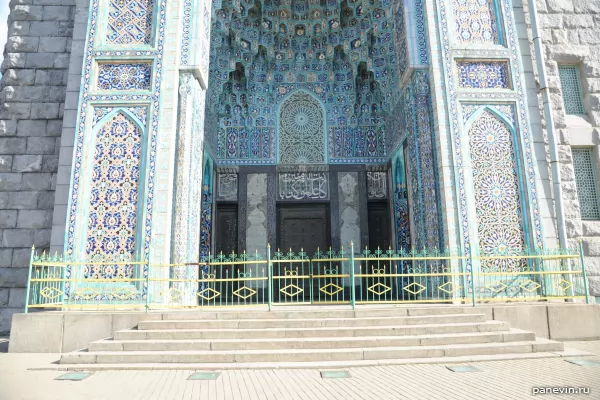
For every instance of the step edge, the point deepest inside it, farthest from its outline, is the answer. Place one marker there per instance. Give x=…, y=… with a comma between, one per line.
x=299, y=365
x=302, y=351
x=488, y=322
x=315, y=339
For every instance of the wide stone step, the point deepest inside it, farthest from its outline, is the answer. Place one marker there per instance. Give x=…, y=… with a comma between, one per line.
x=307, y=355
x=309, y=323
x=311, y=343
x=325, y=313
x=302, y=365
x=391, y=330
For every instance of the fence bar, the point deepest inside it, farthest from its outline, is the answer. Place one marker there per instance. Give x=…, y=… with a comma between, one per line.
x=147, y=286
x=270, y=275
x=585, y=282
x=238, y=280
x=352, y=283
x=29, y=279
x=472, y=276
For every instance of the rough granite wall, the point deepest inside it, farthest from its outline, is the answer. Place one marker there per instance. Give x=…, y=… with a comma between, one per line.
x=32, y=94
x=570, y=32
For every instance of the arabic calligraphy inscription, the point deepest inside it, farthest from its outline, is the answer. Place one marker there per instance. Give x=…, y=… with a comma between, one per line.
x=303, y=186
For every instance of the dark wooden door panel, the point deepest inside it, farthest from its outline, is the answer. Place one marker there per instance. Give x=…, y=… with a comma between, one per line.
x=226, y=229
x=379, y=232
x=303, y=227
x=299, y=227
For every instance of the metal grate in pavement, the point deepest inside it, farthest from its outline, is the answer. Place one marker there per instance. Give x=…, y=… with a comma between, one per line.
x=463, y=368
x=204, y=376
x=335, y=374
x=584, y=363
x=73, y=376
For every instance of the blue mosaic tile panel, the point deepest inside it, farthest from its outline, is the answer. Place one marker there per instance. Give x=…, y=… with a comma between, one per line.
x=483, y=74
x=475, y=21
x=458, y=135
x=186, y=34
x=141, y=113
x=152, y=100
x=401, y=212
x=342, y=53
x=124, y=76
x=206, y=211
x=422, y=44
x=129, y=22
x=428, y=177
x=253, y=144
x=496, y=189
x=506, y=110
x=113, y=214
x=206, y=224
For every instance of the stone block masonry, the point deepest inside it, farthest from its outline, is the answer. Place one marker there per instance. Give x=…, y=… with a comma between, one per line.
x=569, y=32
x=32, y=95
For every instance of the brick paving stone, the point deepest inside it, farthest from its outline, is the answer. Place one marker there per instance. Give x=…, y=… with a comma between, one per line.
x=498, y=380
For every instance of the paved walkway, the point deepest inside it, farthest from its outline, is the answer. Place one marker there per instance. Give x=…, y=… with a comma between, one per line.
x=498, y=380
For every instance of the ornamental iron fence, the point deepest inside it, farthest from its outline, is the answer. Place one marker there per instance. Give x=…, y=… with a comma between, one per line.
x=288, y=278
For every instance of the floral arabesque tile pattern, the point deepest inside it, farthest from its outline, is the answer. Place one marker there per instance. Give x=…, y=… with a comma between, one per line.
x=112, y=218
x=124, y=76
x=475, y=21
x=130, y=22
x=141, y=113
x=483, y=74
x=497, y=196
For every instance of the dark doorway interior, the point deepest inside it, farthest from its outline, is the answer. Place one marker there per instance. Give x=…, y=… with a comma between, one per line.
x=227, y=229
x=379, y=227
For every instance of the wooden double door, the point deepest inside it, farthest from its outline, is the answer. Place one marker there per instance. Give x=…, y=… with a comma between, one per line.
x=303, y=226
x=299, y=226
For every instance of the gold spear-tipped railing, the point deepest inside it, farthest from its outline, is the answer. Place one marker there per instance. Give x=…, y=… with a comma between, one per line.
x=289, y=278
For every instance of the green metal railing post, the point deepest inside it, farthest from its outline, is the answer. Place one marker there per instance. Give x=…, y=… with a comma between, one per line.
x=585, y=282
x=310, y=277
x=147, y=286
x=352, y=283
x=270, y=274
x=29, y=279
x=472, y=277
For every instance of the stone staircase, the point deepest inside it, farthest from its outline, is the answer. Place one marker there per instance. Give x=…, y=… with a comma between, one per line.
x=318, y=338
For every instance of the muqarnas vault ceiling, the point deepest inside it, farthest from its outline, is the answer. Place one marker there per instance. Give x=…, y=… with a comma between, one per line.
x=341, y=53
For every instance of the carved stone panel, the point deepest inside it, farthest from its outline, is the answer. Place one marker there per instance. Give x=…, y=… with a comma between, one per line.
x=303, y=186
x=227, y=186
x=377, y=185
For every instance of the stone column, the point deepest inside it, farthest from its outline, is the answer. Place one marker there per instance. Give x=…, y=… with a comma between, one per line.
x=336, y=241
x=257, y=225
x=187, y=204
x=256, y=213
x=349, y=210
